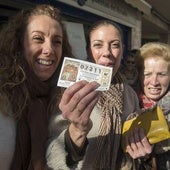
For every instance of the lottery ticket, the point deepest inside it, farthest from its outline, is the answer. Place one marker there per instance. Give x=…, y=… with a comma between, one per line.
x=74, y=70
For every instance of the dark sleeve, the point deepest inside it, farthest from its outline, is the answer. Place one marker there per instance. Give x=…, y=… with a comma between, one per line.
x=148, y=162
x=163, y=160
x=75, y=154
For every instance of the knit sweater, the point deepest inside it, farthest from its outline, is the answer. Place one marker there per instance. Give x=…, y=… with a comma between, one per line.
x=56, y=154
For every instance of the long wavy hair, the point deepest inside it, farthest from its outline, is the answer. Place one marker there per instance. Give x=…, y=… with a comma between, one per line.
x=14, y=90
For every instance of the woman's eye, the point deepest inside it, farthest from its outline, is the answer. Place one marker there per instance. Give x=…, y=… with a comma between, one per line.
x=38, y=38
x=162, y=74
x=115, y=45
x=57, y=41
x=97, y=45
x=147, y=74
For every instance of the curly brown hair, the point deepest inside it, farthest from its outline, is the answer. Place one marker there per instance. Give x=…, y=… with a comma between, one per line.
x=14, y=90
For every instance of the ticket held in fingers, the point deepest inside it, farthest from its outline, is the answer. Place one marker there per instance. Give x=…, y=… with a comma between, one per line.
x=74, y=70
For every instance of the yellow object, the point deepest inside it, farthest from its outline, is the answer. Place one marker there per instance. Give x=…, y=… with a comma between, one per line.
x=154, y=124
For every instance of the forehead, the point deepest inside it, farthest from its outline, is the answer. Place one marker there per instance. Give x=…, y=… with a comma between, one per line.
x=156, y=63
x=44, y=23
x=105, y=31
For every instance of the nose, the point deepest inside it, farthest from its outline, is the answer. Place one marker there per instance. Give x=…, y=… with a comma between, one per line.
x=154, y=80
x=47, y=48
x=107, y=51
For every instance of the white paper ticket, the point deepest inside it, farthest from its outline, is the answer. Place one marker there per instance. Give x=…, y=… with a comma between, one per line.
x=74, y=70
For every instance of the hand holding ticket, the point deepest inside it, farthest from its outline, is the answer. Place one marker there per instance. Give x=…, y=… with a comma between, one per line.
x=74, y=70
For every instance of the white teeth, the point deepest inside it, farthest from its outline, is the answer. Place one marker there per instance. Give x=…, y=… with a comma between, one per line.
x=154, y=90
x=45, y=62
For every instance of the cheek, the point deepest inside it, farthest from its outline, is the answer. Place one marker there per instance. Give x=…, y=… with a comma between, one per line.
x=29, y=55
x=166, y=82
x=144, y=82
x=95, y=55
x=117, y=53
x=58, y=54
x=59, y=58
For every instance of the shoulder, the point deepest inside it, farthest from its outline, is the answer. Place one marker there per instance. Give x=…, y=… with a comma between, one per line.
x=129, y=92
x=131, y=102
x=7, y=140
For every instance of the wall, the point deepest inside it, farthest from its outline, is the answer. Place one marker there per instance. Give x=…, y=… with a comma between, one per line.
x=117, y=11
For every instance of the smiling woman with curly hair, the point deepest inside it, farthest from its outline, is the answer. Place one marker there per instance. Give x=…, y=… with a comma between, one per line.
x=32, y=47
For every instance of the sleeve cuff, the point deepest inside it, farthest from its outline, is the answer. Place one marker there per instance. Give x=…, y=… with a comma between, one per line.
x=74, y=153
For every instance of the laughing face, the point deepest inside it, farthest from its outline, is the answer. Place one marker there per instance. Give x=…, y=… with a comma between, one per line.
x=43, y=45
x=156, y=77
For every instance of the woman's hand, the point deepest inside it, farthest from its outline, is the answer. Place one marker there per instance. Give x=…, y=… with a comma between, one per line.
x=137, y=144
x=76, y=105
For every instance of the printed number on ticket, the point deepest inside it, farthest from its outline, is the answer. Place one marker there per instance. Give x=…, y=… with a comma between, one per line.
x=74, y=70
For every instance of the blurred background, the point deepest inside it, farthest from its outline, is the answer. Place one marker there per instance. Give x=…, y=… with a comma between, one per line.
x=141, y=20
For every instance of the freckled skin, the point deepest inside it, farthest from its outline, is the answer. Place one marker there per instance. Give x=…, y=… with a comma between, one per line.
x=156, y=77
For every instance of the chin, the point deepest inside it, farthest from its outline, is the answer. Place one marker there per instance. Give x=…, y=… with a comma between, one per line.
x=155, y=99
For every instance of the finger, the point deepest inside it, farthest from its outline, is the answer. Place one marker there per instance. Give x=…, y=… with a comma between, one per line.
x=128, y=147
x=88, y=101
x=83, y=121
x=83, y=95
x=70, y=91
x=83, y=114
x=146, y=145
x=132, y=140
x=138, y=138
x=133, y=150
x=126, y=142
x=89, y=107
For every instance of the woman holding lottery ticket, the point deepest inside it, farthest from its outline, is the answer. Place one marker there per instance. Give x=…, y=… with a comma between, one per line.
x=95, y=117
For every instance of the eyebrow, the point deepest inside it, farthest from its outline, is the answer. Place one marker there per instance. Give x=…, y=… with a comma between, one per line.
x=111, y=40
x=97, y=40
x=37, y=31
